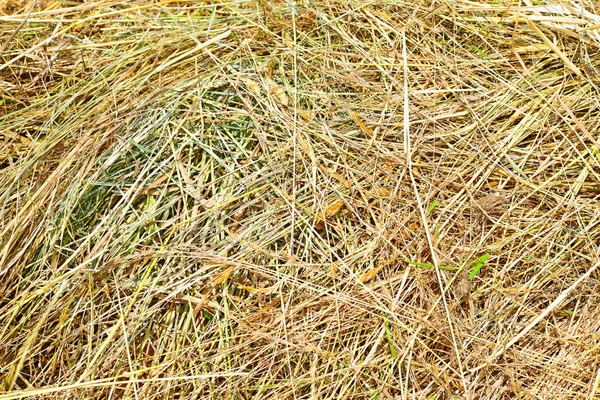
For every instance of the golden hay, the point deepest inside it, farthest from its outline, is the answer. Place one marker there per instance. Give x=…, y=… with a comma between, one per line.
x=310, y=199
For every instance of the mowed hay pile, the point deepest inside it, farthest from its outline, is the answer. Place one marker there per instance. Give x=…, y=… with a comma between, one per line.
x=326, y=200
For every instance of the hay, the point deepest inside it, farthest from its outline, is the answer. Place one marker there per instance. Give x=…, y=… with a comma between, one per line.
x=318, y=199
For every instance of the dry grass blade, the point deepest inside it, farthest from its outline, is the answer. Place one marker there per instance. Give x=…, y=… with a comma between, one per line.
x=318, y=199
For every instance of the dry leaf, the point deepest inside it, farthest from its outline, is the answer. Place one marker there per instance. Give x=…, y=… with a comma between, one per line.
x=253, y=86
x=362, y=126
x=414, y=227
x=278, y=91
x=224, y=276
x=462, y=288
x=237, y=217
x=383, y=191
x=253, y=290
x=490, y=204
x=192, y=190
x=206, y=203
x=249, y=289
x=330, y=211
x=334, y=268
x=370, y=274
x=304, y=114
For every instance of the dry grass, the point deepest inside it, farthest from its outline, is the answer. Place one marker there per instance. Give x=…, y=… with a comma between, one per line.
x=326, y=200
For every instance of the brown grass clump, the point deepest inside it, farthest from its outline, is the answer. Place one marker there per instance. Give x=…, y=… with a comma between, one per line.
x=310, y=199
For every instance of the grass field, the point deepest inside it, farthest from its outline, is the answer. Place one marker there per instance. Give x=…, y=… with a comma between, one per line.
x=300, y=200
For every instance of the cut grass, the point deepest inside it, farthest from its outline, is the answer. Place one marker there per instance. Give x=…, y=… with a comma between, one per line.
x=275, y=200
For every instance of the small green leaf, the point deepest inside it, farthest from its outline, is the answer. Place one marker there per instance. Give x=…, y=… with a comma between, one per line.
x=432, y=206
x=1, y=102
x=393, y=350
x=570, y=313
x=480, y=261
x=480, y=52
x=388, y=335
